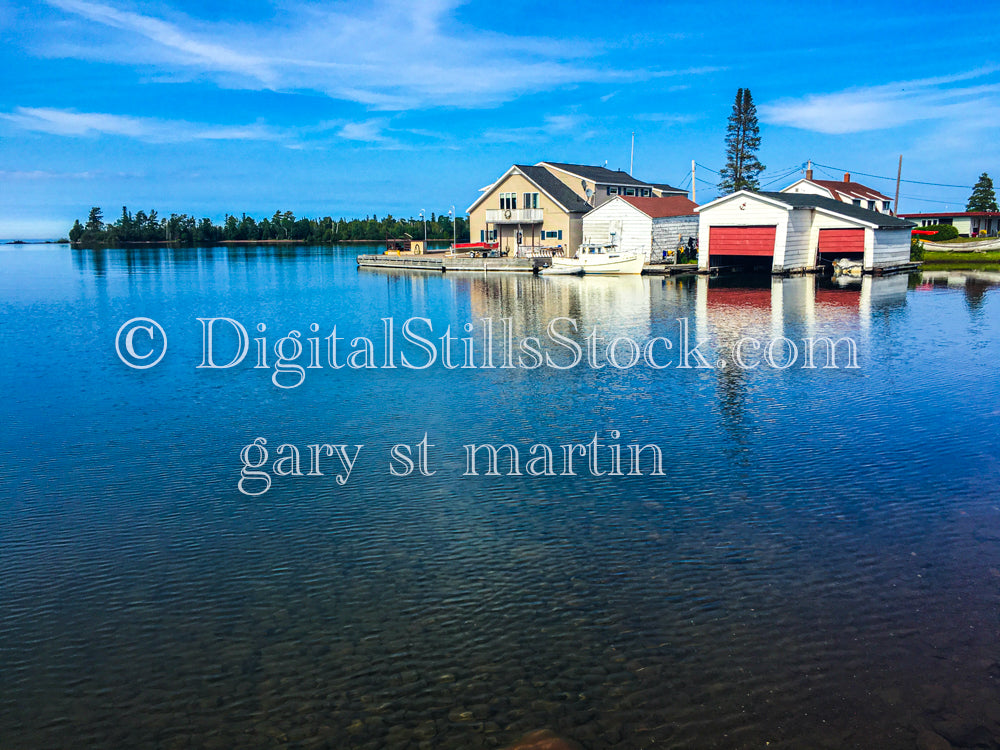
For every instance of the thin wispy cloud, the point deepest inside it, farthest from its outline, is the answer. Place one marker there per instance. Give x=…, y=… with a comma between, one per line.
x=169, y=36
x=390, y=55
x=893, y=105
x=49, y=174
x=551, y=126
x=669, y=118
x=88, y=124
x=367, y=131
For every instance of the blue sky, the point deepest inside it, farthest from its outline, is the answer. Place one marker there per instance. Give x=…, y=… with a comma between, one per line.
x=348, y=109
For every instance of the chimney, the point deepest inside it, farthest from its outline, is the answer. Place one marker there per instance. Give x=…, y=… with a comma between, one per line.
x=847, y=176
x=809, y=174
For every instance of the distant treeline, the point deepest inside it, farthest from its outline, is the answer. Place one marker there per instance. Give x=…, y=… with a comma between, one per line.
x=184, y=229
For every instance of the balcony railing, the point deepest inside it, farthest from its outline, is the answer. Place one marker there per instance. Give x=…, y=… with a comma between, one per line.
x=514, y=215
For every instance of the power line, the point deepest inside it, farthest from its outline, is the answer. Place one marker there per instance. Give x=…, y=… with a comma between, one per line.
x=785, y=174
x=893, y=179
x=708, y=168
x=930, y=200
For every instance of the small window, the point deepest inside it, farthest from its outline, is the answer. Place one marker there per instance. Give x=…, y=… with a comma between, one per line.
x=857, y=202
x=871, y=205
x=646, y=193
x=885, y=205
x=629, y=191
x=612, y=190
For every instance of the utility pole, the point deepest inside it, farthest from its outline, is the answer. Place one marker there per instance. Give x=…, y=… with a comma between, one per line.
x=694, y=188
x=899, y=173
x=631, y=156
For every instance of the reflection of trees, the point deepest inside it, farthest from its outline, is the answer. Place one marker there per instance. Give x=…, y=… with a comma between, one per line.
x=146, y=258
x=975, y=292
x=95, y=261
x=732, y=392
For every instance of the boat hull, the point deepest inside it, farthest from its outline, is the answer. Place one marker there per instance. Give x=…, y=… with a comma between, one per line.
x=606, y=265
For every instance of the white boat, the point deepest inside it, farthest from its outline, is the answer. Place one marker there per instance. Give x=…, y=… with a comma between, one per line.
x=597, y=259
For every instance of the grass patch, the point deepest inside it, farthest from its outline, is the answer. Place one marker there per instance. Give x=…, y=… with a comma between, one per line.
x=956, y=260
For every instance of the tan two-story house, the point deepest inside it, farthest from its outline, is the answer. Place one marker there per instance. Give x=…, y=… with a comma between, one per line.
x=541, y=206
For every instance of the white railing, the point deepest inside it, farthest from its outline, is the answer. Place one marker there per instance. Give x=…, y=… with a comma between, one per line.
x=538, y=251
x=514, y=215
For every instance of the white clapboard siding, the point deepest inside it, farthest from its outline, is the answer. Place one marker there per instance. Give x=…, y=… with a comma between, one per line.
x=798, y=253
x=633, y=229
x=891, y=246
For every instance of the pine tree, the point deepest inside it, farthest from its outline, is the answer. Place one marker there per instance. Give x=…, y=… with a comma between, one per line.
x=983, y=198
x=95, y=221
x=742, y=168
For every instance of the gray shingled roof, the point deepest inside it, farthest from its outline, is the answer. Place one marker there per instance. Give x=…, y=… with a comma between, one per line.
x=603, y=175
x=665, y=186
x=554, y=187
x=806, y=200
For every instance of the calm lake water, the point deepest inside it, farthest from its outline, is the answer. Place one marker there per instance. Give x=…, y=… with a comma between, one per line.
x=817, y=566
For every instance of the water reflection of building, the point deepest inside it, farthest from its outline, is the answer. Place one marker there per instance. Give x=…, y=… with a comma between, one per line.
x=729, y=308
x=974, y=284
x=616, y=305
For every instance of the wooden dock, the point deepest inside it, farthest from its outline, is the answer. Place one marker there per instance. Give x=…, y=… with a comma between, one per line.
x=668, y=269
x=454, y=263
x=433, y=262
x=484, y=265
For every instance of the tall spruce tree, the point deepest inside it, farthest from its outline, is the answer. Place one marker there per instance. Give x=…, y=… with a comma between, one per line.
x=742, y=168
x=983, y=198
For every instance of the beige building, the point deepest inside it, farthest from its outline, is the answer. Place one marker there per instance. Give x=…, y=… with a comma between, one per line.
x=542, y=206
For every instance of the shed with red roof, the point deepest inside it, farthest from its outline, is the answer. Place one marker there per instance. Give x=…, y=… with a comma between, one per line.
x=656, y=227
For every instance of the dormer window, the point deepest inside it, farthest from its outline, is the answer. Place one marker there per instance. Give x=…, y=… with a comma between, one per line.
x=871, y=205
x=857, y=202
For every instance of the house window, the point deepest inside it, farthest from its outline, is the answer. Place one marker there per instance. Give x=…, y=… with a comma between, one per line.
x=508, y=201
x=857, y=202
x=629, y=191
x=646, y=192
x=885, y=205
x=612, y=190
x=531, y=200
x=871, y=205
